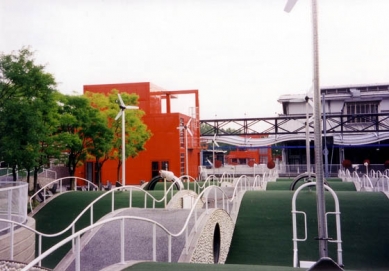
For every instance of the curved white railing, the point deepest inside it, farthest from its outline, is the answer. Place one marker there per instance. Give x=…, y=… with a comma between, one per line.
x=382, y=184
x=91, y=205
x=210, y=180
x=59, y=182
x=295, y=238
x=187, y=179
x=206, y=193
x=13, y=202
x=227, y=177
x=259, y=180
x=366, y=183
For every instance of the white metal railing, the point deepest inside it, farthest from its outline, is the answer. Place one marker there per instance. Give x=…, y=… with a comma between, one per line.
x=60, y=188
x=227, y=177
x=382, y=184
x=240, y=186
x=187, y=179
x=91, y=205
x=13, y=202
x=46, y=172
x=295, y=239
x=111, y=192
x=366, y=183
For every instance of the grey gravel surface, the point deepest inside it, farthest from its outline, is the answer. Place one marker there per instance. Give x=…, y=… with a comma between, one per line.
x=104, y=248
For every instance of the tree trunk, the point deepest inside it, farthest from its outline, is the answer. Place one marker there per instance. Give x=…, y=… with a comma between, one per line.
x=98, y=172
x=71, y=168
x=14, y=173
x=35, y=179
x=118, y=171
x=28, y=176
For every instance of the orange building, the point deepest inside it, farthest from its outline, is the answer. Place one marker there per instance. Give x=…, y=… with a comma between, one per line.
x=166, y=149
x=249, y=157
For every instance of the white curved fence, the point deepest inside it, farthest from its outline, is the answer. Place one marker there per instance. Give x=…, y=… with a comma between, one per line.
x=210, y=192
x=13, y=202
x=48, y=190
x=241, y=185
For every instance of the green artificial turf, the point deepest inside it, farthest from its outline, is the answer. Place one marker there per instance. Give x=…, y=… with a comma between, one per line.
x=192, y=186
x=150, y=266
x=263, y=232
x=62, y=210
x=335, y=183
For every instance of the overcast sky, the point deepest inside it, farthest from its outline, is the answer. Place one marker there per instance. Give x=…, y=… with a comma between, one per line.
x=240, y=54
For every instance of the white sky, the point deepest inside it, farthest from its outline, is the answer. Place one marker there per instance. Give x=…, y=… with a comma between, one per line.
x=240, y=54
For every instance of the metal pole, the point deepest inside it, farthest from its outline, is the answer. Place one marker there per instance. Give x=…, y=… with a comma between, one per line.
x=320, y=199
x=325, y=138
x=123, y=149
x=186, y=152
x=307, y=146
x=213, y=156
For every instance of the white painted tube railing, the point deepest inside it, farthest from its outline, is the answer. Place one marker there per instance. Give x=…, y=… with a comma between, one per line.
x=90, y=207
x=193, y=212
x=241, y=185
x=366, y=182
x=59, y=182
x=382, y=184
x=295, y=239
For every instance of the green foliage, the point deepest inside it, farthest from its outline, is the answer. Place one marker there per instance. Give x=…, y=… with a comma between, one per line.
x=136, y=132
x=76, y=120
x=27, y=111
x=38, y=124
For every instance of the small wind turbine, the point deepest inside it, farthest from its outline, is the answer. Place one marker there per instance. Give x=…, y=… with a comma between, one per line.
x=187, y=130
x=121, y=113
x=213, y=152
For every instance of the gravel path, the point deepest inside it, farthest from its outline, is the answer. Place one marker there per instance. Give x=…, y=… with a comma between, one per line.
x=104, y=248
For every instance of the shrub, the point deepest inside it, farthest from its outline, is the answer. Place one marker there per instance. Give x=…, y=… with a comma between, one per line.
x=346, y=163
x=271, y=164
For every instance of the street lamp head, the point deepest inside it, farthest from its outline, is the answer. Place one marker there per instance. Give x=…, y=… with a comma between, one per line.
x=289, y=5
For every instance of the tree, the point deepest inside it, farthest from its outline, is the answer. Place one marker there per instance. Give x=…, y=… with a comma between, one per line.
x=76, y=118
x=99, y=142
x=136, y=132
x=26, y=111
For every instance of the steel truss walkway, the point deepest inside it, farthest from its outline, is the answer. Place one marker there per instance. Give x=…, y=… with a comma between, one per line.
x=345, y=129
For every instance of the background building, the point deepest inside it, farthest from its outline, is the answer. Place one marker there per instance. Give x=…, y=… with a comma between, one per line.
x=167, y=147
x=355, y=127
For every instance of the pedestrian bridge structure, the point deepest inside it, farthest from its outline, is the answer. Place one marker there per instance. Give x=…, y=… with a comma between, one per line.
x=343, y=129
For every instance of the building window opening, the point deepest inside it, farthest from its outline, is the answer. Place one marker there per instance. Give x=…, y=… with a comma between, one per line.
x=358, y=108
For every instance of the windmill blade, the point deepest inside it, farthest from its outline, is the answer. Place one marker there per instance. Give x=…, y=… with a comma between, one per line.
x=187, y=127
x=121, y=103
x=214, y=140
x=131, y=107
x=187, y=124
x=289, y=5
x=210, y=162
x=119, y=115
x=189, y=131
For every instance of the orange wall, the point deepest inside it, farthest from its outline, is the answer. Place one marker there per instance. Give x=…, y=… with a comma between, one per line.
x=164, y=145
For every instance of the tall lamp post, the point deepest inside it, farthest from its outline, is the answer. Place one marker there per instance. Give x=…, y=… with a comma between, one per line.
x=320, y=199
x=121, y=113
x=213, y=152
